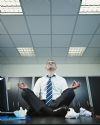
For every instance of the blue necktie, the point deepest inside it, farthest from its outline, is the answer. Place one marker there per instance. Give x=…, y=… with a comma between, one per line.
x=49, y=92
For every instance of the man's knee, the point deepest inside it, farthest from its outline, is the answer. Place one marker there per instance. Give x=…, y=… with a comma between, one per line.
x=23, y=94
x=70, y=93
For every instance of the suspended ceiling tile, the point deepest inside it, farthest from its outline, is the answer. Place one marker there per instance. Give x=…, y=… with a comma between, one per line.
x=10, y=51
x=23, y=44
x=92, y=52
x=15, y=24
x=95, y=41
x=39, y=24
x=80, y=40
x=36, y=7
x=43, y=52
x=98, y=30
x=65, y=7
x=87, y=24
x=2, y=30
x=5, y=41
x=22, y=40
x=60, y=40
x=41, y=40
x=1, y=54
x=59, y=52
x=63, y=24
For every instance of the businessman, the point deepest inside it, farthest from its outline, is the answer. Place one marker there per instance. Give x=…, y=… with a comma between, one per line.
x=51, y=95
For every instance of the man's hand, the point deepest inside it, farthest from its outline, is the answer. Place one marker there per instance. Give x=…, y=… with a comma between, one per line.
x=75, y=84
x=22, y=85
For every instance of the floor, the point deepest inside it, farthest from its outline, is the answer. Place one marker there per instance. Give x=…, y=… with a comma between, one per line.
x=53, y=120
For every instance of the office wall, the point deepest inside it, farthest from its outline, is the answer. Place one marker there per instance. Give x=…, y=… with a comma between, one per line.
x=1, y=69
x=63, y=70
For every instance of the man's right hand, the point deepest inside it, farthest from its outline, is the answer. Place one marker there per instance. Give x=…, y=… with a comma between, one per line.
x=22, y=85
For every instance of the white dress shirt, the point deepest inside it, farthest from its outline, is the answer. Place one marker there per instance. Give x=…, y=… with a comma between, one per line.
x=59, y=84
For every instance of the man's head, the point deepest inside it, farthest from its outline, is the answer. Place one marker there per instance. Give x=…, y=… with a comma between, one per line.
x=51, y=66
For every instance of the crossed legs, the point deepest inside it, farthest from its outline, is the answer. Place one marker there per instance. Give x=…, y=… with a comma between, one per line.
x=39, y=108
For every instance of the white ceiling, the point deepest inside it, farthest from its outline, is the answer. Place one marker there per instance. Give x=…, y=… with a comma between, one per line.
x=50, y=27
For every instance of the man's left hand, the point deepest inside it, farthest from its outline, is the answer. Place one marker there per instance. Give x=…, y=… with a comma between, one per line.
x=75, y=84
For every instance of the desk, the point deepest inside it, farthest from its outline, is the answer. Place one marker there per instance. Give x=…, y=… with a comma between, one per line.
x=53, y=120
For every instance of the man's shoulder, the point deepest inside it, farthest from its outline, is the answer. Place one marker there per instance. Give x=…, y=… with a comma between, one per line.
x=41, y=78
x=60, y=77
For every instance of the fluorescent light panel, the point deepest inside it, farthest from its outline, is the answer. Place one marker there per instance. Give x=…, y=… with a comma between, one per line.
x=76, y=51
x=90, y=7
x=26, y=51
x=10, y=7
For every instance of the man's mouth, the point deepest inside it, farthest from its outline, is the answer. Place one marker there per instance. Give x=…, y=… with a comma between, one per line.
x=51, y=68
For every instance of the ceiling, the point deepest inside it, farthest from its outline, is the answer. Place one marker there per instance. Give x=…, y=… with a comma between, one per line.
x=50, y=27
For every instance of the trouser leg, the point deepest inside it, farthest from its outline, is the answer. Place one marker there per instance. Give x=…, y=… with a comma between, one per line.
x=32, y=100
x=65, y=99
x=37, y=107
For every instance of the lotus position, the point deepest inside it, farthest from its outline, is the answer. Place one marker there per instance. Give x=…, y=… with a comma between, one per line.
x=51, y=95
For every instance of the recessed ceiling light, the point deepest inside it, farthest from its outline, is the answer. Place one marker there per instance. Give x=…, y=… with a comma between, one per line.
x=90, y=7
x=10, y=7
x=26, y=51
x=76, y=51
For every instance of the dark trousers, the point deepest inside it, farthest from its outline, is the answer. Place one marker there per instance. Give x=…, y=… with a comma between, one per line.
x=39, y=108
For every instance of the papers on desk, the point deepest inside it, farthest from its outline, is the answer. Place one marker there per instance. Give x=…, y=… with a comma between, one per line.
x=72, y=114
x=16, y=115
x=20, y=113
x=83, y=112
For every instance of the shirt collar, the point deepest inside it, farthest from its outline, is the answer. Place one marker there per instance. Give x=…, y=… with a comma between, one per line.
x=52, y=75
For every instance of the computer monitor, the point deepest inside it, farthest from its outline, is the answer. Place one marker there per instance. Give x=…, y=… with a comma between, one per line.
x=3, y=95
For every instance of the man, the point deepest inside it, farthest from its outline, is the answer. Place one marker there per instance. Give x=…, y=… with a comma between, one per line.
x=51, y=95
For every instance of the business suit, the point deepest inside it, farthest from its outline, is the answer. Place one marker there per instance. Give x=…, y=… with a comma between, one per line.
x=39, y=108
x=62, y=95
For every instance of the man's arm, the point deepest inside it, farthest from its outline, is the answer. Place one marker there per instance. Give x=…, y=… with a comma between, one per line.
x=37, y=87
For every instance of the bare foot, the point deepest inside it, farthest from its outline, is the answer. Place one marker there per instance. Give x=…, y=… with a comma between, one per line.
x=22, y=85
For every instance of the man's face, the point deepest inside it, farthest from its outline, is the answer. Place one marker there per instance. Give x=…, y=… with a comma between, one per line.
x=51, y=65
